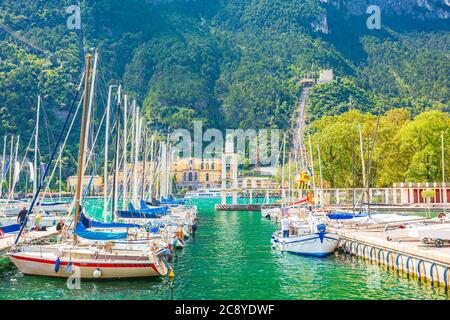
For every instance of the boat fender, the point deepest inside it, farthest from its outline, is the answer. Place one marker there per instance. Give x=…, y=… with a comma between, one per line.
x=1, y=232
x=445, y=278
x=387, y=259
x=433, y=265
x=407, y=264
x=419, y=273
x=69, y=267
x=97, y=273
x=442, y=215
x=57, y=263
x=396, y=261
x=321, y=227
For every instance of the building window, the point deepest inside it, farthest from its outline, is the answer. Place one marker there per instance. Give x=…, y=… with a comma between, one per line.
x=190, y=176
x=202, y=165
x=207, y=177
x=184, y=176
x=195, y=176
x=212, y=165
x=190, y=161
x=207, y=166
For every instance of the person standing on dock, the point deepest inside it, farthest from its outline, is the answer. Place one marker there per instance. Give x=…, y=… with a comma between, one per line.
x=285, y=226
x=194, y=226
x=22, y=215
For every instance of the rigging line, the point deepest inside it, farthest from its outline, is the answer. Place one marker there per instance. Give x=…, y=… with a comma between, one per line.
x=47, y=125
x=23, y=39
x=50, y=161
x=23, y=160
x=62, y=147
x=88, y=159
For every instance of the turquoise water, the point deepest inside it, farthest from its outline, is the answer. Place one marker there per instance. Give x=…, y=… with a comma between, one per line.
x=231, y=258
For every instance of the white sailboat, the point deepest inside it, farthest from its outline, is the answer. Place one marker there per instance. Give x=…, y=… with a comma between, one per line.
x=309, y=237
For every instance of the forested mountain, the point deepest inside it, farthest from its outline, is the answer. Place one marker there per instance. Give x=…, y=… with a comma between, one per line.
x=231, y=63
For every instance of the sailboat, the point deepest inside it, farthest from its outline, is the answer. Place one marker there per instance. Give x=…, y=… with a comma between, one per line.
x=74, y=257
x=308, y=237
x=308, y=234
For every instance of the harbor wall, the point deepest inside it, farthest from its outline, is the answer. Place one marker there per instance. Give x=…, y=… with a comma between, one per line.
x=416, y=266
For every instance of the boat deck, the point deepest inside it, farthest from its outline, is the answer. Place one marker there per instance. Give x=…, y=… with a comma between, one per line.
x=7, y=242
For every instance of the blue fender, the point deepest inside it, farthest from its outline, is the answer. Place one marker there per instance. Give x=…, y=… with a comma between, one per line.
x=57, y=263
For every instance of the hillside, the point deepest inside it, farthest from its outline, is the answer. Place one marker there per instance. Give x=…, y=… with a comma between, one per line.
x=231, y=63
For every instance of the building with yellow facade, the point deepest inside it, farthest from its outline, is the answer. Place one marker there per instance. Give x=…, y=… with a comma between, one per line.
x=196, y=173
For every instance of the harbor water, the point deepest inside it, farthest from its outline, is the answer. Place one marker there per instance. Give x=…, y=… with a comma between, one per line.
x=231, y=258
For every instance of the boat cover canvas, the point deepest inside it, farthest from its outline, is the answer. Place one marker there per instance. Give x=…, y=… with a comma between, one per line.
x=146, y=208
x=43, y=204
x=90, y=223
x=346, y=215
x=85, y=233
x=10, y=228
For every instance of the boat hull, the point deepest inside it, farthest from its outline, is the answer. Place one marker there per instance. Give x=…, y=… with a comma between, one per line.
x=85, y=270
x=311, y=244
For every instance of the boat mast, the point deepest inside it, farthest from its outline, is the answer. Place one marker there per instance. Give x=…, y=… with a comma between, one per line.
x=313, y=177
x=36, y=139
x=82, y=145
x=89, y=109
x=10, y=166
x=369, y=165
x=283, y=193
x=363, y=167
x=320, y=175
x=116, y=158
x=152, y=162
x=125, y=142
x=105, y=165
x=289, y=178
x=144, y=164
x=353, y=175
x=3, y=165
x=133, y=145
x=16, y=170
x=60, y=172
x=444, y=191
x=136, y=156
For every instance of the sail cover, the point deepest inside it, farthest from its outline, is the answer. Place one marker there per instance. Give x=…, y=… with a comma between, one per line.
x=137, y=214
x=83, y=232
x=90, y=223
x=346, y=215
x=143, y=213
x=10, y=228
x=146, y=208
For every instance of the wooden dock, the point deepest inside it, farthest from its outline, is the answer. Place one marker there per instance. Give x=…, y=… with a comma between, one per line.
x=410, y=256
x=8, y=241
x=244, y=207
